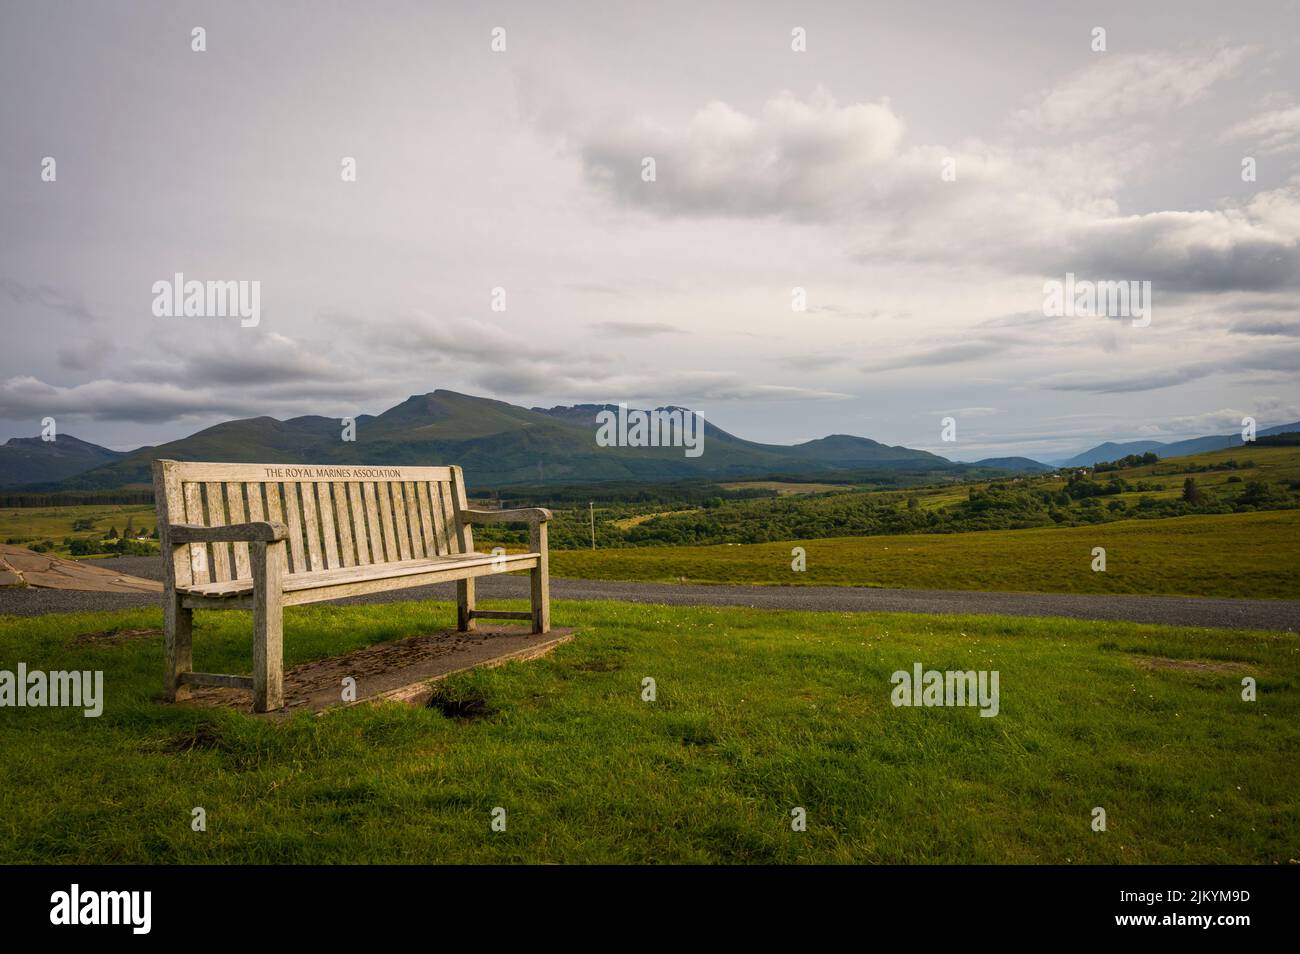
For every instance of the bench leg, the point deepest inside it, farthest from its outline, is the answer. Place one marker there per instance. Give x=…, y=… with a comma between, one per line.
x=464, y=606
x=541, y=578
x=178, y=629
x=541, y=598
x=268, y=560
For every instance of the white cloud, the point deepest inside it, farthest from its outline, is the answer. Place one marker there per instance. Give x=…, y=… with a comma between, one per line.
x=1027, y=209
x=1123, y=87
x=795, y=157
x=1276, y=130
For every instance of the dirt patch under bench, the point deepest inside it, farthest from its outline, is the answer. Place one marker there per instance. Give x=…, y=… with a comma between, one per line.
x=404, y=670
x=112, y=637
x=1192, y=665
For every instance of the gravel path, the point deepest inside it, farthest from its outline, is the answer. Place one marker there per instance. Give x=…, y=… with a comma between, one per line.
x=1283, y=615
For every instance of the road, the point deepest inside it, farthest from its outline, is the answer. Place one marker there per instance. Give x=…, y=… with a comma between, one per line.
x=1283, y=615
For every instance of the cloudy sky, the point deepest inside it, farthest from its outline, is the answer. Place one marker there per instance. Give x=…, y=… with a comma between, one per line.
x=774, y=169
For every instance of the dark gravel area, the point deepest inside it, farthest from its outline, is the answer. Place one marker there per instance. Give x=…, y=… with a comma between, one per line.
x=1283, y=615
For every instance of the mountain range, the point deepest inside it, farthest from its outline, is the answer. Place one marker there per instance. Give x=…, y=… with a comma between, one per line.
x=501, y=444
x=498, y=444
x=1194, y=445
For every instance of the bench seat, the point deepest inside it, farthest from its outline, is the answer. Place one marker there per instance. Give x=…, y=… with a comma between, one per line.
x=330, y=579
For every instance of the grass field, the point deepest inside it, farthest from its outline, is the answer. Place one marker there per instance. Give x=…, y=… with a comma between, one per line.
x=33, y=524
x=786, y=488
x=628, y=522
x=757, y=713
x=1232, y=555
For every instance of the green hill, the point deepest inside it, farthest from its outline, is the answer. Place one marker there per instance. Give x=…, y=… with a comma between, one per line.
x=26, y=460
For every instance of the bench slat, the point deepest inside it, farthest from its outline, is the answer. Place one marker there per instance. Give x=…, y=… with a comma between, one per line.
x=359, y=523
x=430, y=542
x=430, y=491
x=198, y=551
x=273, y=509
x=293, y=517
x=217, y=518
x=448, y=517
x=235, y=508
x=311, y=527
x=400, y=522
x=386, y=523
x=328, y=536
x=376, y=530
x=256, y=511
x=412, y=508
x=344, y=524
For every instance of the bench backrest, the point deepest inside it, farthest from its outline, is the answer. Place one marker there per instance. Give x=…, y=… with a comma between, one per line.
x=338, y=516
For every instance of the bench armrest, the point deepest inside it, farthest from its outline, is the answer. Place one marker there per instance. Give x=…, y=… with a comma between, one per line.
x=528, y=515
x=259, y=531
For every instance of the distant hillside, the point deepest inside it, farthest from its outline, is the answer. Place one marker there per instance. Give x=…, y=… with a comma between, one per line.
x=499, y=445
x=1110, y=451
x=1019, y=465
x=1194, y=445
x=29, y=460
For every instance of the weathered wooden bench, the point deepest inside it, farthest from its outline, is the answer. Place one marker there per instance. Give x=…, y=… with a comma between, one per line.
x=267, y=536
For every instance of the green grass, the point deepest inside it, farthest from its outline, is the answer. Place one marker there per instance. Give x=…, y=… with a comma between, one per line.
x=757, y=712
x=1231, y=555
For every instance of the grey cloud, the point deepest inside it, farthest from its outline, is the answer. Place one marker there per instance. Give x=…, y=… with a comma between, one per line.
x=1260, y=360
x=46, y=297
x=151, y=402
x=1268, y=327
x=943, y=354
x=111, y=400
x=634, y=329
x=669, y=387
x=1126, y=383
x=85, y=354
x=1251, y=248
x=260, y=374
x=813, y=362
x=420, y=333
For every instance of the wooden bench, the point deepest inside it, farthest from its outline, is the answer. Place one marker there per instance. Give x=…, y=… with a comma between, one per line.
x=267, y=536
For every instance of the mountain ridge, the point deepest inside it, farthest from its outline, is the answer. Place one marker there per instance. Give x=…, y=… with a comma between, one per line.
x=500, y=444
x=1111, y=450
